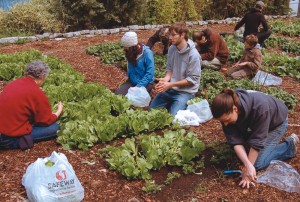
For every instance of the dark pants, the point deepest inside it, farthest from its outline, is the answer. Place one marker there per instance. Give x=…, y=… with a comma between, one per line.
x=262, y=36
x=123, y=90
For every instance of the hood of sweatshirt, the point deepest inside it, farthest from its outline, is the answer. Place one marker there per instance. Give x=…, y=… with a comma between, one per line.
x=190, y=45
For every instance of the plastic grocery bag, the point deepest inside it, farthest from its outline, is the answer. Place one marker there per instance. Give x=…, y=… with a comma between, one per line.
x=187, y=118
x=202, y=110
x=52, y=179
x=282, y=176
x=139, y=96
x=266, y=79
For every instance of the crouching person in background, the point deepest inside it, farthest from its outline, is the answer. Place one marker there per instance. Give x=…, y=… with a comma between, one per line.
x=250, y=62
x=26, y=115
x=140, y=58
x=256, y=121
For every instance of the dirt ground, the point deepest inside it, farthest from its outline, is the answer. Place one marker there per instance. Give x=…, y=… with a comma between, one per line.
x=101, y=184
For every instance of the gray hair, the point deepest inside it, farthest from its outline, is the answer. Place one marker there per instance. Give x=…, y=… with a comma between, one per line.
x=37, y=69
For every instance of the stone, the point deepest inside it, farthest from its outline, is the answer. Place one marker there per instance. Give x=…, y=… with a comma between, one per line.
x=133, y=27
x=114, y=31
x=148, y=27
x=9, y=40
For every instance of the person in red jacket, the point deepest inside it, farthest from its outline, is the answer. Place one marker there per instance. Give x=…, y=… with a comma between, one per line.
x=212, y=48
x=26, y=114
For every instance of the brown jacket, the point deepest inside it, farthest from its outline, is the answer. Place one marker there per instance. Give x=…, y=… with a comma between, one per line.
x=214, y=47
x=253, y=57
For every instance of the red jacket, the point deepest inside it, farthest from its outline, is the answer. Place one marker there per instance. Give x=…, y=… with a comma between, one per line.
x=23, y=103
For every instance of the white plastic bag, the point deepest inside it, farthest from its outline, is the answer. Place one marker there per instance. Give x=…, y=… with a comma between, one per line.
x=139, y=96
x=282, y=176
x=187, y=118
x=266, y=79
x=52, y=183
x=202, y=110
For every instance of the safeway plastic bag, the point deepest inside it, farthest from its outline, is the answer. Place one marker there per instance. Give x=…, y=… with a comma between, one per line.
x=282, y=176
x=187, y=118
x=266, y=79
x=202, y=110
x=52, y=179
x=139, y=96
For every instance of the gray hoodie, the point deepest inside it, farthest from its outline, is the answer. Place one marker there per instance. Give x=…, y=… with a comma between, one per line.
x=185, y=64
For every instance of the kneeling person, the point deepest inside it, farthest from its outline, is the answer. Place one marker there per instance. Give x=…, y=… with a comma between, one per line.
x=250, y=62
x=182, y=79
x=26, y=115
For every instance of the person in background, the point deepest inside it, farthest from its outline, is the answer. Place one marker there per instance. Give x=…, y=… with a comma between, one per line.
x=250, y=62
x=258, y=121
x=212, y=48
x=26, y=114
x=161, y=35
x=252, y=21
x=140, y=64
x=182, y=79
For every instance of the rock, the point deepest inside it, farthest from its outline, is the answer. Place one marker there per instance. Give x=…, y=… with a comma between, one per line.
x=124, y=29
x=114, y=31
x=9, y=40
x=105, y=31
x=84, y=32
x=98, y=32
x=133, y=27
x=68, y=34
x=148, y=27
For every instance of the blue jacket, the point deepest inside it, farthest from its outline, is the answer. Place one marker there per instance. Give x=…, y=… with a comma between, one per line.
x=143, y=73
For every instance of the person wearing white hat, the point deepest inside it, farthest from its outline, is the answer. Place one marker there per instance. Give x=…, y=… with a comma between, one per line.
x=252, y=21
x=140, y=64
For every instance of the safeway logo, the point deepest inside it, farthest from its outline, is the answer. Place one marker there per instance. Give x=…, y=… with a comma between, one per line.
x=61, y=175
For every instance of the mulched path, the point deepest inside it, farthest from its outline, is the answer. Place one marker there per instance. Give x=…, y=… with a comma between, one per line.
x=101, y=184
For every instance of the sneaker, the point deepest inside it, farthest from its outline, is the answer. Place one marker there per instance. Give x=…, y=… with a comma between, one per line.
x=295, y=140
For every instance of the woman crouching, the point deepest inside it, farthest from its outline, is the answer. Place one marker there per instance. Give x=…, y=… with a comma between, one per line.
x=26, y=115
x=256, y=120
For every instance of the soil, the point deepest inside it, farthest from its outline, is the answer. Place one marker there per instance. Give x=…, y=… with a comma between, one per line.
x=101, y=184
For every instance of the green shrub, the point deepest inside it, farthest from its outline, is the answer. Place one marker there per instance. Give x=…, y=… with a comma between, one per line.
x=31, y=17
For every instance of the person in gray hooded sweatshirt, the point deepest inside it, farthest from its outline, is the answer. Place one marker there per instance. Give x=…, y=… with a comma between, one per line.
x=182, y=78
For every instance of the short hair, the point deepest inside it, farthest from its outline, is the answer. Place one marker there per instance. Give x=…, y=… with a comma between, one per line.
x=251, y=39
x=259, y=5
x=37, y=69
x=223, y=103
x=180, y=28
x=197, y=35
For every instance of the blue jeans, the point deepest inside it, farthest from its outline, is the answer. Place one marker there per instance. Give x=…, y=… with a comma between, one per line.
x=38, y=133
x=273, y=150
x=172, y=100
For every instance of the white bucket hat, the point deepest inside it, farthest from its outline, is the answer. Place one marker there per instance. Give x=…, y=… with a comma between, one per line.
x=129, y=39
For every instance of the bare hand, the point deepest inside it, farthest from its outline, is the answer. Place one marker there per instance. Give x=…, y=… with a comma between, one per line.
x=60, y=109
x=162, y=86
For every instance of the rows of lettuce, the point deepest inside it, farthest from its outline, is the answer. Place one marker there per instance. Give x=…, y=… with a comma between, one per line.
x=93, y=114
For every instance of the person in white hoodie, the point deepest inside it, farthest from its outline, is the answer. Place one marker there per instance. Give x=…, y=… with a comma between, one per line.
x=182, y=78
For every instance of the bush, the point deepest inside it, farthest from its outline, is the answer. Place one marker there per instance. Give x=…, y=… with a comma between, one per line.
x=31, y=17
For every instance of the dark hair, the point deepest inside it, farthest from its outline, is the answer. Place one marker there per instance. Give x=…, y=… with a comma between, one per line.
x=132, y=53
x=180, y=28
x=197, y=35
x=251, y=39
x=223, y=103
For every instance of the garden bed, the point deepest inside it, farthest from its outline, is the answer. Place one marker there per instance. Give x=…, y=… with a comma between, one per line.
x=101, y=184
